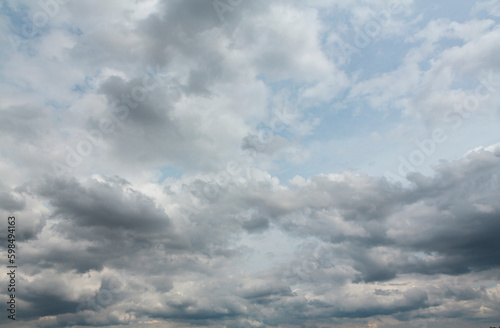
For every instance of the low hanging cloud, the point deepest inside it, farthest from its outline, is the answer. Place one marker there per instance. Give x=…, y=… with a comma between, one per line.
x=363, y=244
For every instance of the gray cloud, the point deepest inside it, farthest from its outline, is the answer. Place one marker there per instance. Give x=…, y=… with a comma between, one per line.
x=181, y=215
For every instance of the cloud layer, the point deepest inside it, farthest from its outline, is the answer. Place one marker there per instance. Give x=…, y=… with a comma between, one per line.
x=251, y=163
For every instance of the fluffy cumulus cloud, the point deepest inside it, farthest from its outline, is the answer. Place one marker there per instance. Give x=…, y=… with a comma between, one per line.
x=237, y=163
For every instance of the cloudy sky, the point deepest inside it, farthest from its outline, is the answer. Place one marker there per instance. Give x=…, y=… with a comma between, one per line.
x=251, y=163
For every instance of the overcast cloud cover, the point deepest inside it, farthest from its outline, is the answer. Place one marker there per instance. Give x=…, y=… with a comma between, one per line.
x=239, y=163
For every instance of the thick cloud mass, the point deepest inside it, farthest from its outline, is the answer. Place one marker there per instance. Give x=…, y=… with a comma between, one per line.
x=237, y=163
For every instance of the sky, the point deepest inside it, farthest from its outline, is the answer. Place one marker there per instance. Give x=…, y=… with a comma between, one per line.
x=248, y=164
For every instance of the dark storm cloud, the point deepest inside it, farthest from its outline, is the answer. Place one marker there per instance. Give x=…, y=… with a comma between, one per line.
x=42, y=302
x=106, y=221
x=412, y=300
x=363, y=237
x=104, y=205
x=256, y=224
x=457, y=213
x=453, y=216
x=262, y=292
